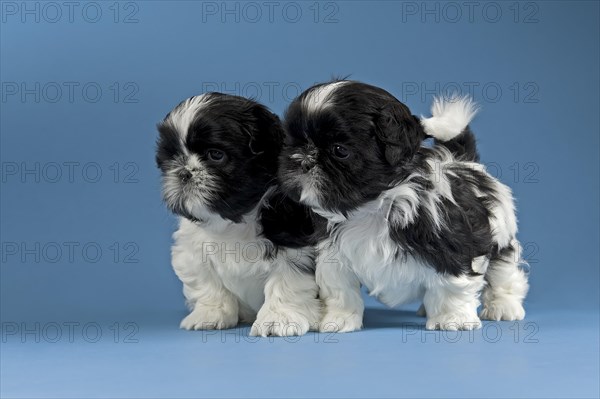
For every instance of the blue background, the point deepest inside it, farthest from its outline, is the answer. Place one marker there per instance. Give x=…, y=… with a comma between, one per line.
x=534, y=68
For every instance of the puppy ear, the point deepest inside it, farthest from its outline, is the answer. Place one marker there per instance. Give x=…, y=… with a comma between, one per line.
x=400, y=133
x=269, y=135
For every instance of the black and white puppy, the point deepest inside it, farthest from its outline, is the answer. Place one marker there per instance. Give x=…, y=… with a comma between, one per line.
x=406, y=220
x=242, y=249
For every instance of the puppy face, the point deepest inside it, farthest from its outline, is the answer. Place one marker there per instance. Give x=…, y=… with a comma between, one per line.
x=345, y=143
x=218, y=156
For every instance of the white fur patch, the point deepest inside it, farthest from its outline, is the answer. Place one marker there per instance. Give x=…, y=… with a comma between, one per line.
x=480, y=264
x=502, y=219
x=321, y=96
x=309, y=192
x=503, y=297
x=182, y=116
x=450, y=117
x=405, y=199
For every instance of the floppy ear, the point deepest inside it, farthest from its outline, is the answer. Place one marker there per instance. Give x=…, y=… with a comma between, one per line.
x=399, y=132
x=268, y=137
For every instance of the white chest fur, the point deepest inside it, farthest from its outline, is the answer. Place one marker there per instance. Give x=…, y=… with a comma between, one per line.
x=235, y=253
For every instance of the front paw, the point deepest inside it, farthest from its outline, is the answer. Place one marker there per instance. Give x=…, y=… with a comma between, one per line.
x=454, y=321
x=209, y=318
x=503, y=310
x=341, y=321
x=280, y=323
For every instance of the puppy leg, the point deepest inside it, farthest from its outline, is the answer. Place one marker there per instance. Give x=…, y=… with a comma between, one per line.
x=291, y=306
x=213, y=306
x=339, y=288
x=507, y=286
x=451, y=303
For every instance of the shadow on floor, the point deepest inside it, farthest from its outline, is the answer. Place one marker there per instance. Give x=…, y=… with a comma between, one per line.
x=378, y=318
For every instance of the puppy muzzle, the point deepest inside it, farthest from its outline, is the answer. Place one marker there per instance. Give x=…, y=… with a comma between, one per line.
x=309, y=160
x=308, y=163
x=185, y=175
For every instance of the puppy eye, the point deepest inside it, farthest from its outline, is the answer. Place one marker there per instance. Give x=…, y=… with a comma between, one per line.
x=340, y=151
x=216, y=155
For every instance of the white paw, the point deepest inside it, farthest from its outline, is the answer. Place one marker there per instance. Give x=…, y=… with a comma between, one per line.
x=340, y=321
x=209, y=318
x=454, y=322
x=502, y=310
x=280, y=323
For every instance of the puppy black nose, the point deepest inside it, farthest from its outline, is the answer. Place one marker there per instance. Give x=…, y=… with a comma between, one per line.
x=306, y=166
x=185, y=175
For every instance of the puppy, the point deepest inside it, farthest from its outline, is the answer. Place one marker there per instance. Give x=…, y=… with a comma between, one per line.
x=242, y=249
x=407, y=221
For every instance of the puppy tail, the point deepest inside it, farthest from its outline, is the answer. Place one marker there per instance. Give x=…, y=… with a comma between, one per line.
x=449, y=126
x=463, y=146
x=450, y=117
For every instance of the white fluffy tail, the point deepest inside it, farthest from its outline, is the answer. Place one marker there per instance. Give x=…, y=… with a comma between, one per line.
x=450, y=117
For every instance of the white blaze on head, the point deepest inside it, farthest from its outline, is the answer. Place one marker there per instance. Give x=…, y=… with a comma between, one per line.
x=320, y=97
x=182, y=117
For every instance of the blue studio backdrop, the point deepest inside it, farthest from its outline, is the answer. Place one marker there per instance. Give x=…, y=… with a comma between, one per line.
x=89, y=303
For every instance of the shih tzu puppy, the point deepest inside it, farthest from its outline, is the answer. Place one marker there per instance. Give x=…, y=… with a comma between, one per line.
x=407, y=220
x=242, y=249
